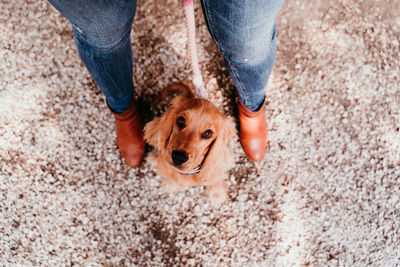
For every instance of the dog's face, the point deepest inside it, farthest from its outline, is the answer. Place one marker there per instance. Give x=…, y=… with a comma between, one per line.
x=190, y=135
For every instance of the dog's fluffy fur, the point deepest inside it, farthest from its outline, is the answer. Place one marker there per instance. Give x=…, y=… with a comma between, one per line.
x=211, y=154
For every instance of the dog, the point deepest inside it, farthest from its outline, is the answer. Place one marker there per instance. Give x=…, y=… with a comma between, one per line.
x=190, y=141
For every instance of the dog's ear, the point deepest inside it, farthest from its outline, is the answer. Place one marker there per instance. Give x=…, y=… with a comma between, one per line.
x=229, y=128
x=226, y=131
x=152, y=132
x=158, y=130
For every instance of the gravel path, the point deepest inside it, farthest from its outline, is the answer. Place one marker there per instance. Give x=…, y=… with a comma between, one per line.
x=328, y=192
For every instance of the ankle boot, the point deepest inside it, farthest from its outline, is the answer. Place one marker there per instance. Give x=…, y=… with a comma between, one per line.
x=130, y=135
x=253, y=131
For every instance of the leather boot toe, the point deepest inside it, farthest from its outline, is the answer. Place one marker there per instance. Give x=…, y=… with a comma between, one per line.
x=130, y=135
x=253, y=131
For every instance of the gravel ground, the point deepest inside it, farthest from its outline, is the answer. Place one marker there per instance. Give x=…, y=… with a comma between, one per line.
x=328, y=192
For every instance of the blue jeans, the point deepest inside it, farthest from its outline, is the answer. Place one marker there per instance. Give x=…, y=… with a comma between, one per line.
x=244, y=32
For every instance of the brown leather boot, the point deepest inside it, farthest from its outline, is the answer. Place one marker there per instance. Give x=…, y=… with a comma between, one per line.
x=253, y=131
x=130, y=135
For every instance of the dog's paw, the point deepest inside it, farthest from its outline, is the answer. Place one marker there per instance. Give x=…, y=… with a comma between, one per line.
x=217, y=194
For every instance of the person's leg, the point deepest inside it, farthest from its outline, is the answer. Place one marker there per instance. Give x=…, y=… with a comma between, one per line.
x=101, y=32
x=244, y=31
x=102, y=36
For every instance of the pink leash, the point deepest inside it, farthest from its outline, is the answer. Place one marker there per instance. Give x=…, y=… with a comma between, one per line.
x=200, y=90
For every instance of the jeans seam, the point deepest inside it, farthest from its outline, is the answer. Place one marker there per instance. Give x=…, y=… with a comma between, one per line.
x=240, y=84
x=210, y=24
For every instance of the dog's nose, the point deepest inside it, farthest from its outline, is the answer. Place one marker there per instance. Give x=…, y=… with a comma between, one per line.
x=179, y=157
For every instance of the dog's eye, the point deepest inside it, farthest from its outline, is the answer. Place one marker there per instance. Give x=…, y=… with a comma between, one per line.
x=207, y=134
x=180, y=121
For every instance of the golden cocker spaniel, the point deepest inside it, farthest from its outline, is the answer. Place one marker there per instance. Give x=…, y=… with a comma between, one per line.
x=190, y=141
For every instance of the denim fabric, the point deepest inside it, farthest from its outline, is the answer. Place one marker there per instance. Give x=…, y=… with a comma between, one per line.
x=102, y=36
x=244, y=31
